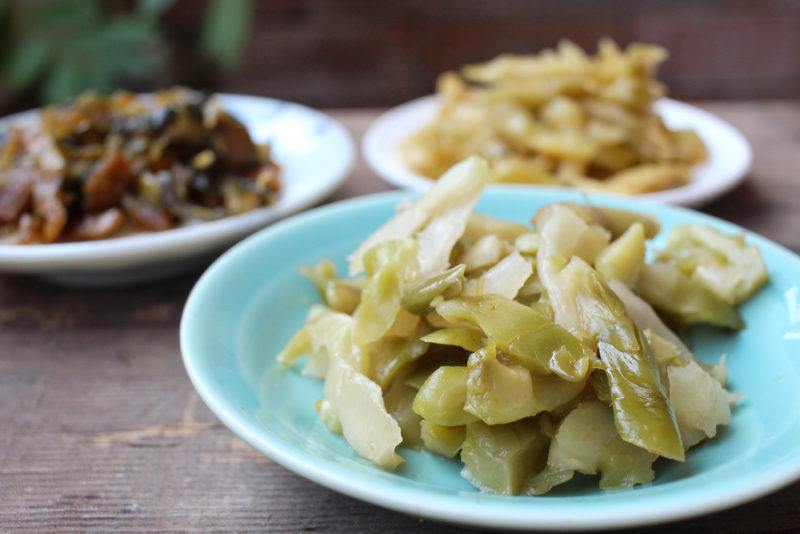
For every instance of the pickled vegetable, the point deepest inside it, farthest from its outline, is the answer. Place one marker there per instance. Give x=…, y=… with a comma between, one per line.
x=623, y=259
x=443, y=440
x=502, y=458
x=668, y=289
x=528, y=337
x=460, y=185
x=623, y=465
x=387, y=265
x=582, y=438
x=102, y=166
x=498, y=391
x=466, y=338
x=442, y=397
x=417, y=297
x=537, y=353
x=725, y=264
x=505, y=278
x=642, y=412
x=358, y=404
x=390, y=356
x=700, y=401
x=399, y=400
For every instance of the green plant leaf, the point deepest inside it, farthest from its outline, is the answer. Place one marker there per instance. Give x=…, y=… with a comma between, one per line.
x=154, y=8
x=64, y=82
x=225, y=30
x=25, y=63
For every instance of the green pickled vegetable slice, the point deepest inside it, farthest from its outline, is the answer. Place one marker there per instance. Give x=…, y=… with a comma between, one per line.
x=466, y=338
x=623, y=258
x=665, y=287
x=642, y=412
x=623, y=465
x=582, y=438
x=417, y=297
x=391, y=355
x=388, y=265
x=527, y=336
x=299, y=345
x=443, y=440
x=725, y=264
x=442, y=397
x=399, y=400
x=503, y=458
x=498, y=392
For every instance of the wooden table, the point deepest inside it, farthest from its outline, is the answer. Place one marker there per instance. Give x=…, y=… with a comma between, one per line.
x=100, y=428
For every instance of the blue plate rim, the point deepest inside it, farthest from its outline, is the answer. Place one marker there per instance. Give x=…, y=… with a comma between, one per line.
x=461, y=510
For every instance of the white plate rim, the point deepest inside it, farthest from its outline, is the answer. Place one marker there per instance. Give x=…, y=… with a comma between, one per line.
x=379, y=147
x=150, y=248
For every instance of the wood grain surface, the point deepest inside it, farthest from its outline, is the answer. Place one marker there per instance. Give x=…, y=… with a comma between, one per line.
x=101, y=430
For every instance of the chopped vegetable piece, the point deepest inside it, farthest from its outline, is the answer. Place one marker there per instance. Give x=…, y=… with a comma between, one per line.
x=484, y=253
x=366, y=425
x=298, y=345
x=617, y=221
x=642, y=412
x=388, y=265
x=725, y=264
x=646, y=318
x=398, y=401
x=442, y=397
x=502, y=458
x=389, y=356
x=417, y=297
x=498, y=392
x=528, y=337
x=466, y=338
x=547, y=479
x=443, y=440
x=504, y=279
x=582, y=438
x=623, y=465
x=668, y=289
x=700, y=401
x=460, y=185
x=623, y=259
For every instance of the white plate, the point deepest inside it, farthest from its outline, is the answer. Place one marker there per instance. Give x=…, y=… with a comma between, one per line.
x=730, y=155
x=315, y=154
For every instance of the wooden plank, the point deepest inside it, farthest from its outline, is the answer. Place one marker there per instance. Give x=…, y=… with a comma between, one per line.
x=101, y=430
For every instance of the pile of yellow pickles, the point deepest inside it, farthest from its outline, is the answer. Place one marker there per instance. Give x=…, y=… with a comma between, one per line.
x=533, y=352
x=560, y=117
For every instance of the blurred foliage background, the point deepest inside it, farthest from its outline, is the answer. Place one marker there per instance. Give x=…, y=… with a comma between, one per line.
x=340, y=53
x=55, y=49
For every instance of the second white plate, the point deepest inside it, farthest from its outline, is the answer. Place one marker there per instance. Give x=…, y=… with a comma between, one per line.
x=729, y=161
x=315, y=154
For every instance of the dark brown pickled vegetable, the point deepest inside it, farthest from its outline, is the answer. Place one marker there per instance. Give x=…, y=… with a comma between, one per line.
x=97, y=226
x=15, y=193
x=157, y=161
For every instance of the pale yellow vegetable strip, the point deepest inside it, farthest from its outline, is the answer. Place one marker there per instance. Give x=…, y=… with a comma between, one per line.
x=461, y=184
x=437, y=239
x=504, y=279
x=646, y=317
x=367, y=426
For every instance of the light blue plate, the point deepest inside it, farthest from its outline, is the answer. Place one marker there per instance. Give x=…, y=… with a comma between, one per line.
x=248, y=304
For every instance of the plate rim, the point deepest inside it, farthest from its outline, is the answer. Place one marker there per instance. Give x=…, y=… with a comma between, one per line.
x=150, y=248
x=391, y=170
x=327, y=473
